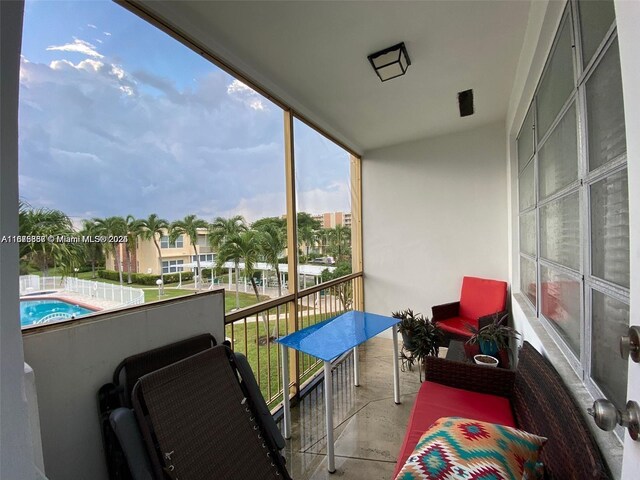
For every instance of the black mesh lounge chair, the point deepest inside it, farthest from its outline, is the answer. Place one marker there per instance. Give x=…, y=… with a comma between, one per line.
x=114, y=404
x=200, y=420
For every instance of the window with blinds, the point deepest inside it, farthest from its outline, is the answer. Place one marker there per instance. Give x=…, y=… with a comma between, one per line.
x=573, y=198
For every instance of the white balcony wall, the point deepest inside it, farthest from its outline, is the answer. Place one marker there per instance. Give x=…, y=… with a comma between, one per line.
x=434, y=210
x=71, y=361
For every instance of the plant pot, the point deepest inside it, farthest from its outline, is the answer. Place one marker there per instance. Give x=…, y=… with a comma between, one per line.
x=489, y=347
x=407, y=340
x=471, y=350
x=486, y=360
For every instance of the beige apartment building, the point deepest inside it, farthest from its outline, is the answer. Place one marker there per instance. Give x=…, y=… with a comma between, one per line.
x=176, y=256
x=332, y=219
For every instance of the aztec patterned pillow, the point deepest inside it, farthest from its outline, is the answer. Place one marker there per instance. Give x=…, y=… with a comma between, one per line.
x=459, y=448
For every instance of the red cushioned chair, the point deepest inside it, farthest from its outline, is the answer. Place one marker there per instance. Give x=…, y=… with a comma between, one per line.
x=480, y=300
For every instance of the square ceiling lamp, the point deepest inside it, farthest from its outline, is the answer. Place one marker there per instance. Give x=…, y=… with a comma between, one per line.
x=391, y=62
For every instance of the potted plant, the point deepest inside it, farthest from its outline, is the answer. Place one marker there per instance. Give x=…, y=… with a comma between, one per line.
x=421, y=337
x=493, y=339
x=407, y=326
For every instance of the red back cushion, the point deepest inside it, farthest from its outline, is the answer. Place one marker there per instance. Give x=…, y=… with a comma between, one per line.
x=480, y=297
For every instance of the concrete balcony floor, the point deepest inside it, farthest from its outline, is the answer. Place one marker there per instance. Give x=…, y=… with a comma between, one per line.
x=369, y=426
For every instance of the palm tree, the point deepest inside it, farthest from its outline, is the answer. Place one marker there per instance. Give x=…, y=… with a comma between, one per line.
x=153, y=227
x=272, y=241
x=223, y=230
x=307, y=235
x=92, y=250
x=243, y=246
x=113, y=227
x=189, y=226
x=340, y=242
x=135, y=228
x=45, y=222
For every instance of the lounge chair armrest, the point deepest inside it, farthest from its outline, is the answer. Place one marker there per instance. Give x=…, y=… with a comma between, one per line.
x=487, y=319
x=266, y=419
x=444, y=311
x=495, y=381
x=125, y=426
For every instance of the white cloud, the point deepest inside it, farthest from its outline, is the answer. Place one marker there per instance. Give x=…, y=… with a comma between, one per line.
x=107, y=34
x=87, y=65
x=117, y=71
x=95, y=139
x=98, y=40
x=247, y=95
x=336, y=197
x=91, y=25
x=78, y=46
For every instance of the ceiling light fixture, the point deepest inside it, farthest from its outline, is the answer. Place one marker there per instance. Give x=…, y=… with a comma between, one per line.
x=391, y=62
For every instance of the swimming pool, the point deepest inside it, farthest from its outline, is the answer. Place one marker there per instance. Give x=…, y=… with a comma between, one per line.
x=49, y=310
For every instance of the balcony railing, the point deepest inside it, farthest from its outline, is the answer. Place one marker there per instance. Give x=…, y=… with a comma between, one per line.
x=252, y=331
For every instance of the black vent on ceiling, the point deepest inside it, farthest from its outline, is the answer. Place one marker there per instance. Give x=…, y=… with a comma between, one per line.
x=465, y=102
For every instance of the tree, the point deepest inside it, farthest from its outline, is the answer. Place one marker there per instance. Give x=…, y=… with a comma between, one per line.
x=278, y=222
x=152, y=228
x=307, y=236
x=44, y=223
x=135, y=229
x=245, y=247
x=92, y=251
x=340, y=242
x=223, y=230
x=344, y=292
x=272, y=241
x=189, y=226
x=113, y=228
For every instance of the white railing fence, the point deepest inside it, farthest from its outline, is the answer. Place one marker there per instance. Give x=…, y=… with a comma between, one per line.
x=99, y=290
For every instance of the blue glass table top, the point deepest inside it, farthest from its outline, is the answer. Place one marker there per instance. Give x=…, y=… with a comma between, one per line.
x=331, y=338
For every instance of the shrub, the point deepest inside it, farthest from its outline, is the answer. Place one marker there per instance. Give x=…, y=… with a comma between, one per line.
x=144, y=278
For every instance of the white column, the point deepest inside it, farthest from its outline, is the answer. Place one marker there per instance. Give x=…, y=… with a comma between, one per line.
x=286, y=408
x=328, y=409
x=396, y=367
x=16, y=454
x=229, y=278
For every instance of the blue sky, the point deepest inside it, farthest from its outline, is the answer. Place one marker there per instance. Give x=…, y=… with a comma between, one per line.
x=118, y=118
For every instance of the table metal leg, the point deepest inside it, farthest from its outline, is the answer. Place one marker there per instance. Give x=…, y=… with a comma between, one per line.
x=356, y=370
x=328, y=406
x=286, y=407
x=396, y=369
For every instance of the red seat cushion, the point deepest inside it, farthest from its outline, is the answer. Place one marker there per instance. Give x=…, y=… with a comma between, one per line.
x=435, y=401
x=480, y=297
x=458, y=325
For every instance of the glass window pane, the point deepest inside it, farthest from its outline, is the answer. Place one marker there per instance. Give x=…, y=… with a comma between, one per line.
x=526, y=191
x=610, y=229
x=605, y=111
x=525, y=141
x=560, y=231
x=558, y=157
x=528, y=233
x=596, y=17
x=610, y=320
x=557, y=83
x=528, y=284
x=560, y=304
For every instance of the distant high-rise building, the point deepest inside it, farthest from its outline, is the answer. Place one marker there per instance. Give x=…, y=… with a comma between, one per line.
x=332, y=219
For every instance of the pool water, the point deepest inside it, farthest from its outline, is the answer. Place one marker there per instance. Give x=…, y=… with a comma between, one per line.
x=35, y=311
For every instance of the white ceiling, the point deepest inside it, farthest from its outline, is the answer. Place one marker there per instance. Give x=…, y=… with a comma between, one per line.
x=313, y=55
